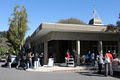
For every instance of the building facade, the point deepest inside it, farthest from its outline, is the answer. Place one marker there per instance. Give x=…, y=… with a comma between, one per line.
x=55, y=39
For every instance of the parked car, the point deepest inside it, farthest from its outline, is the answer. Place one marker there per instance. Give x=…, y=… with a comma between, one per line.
x=2, y=59
x=13, y=61
x=116, y=65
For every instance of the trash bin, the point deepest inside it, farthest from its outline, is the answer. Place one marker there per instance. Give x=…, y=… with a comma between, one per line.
x=51, y=62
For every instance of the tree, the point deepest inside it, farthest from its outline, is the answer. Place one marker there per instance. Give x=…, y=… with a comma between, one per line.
x=3, y=50
x=3, y=45
x=71, y=21
x=118, y=22
x=114, y=28
x=111, y=28
x=3, y=34
x=17, y=28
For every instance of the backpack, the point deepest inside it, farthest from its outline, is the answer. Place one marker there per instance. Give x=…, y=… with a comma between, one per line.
x=107, y=59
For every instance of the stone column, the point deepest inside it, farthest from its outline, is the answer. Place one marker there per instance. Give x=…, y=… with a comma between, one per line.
x=45, y=52
x=78, y=52
x=118, y=47
x=100, y=47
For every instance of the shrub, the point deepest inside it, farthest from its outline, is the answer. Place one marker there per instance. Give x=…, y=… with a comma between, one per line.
x=3, y=50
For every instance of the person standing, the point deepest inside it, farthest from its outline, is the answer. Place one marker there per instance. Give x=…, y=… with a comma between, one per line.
x=67, y=57
x=93, y=59
x=41, y=59
x=18, y=60
x=36, y=60
x=9, y=60
x=75, y=57
x=88, y=58
x=100, y=62
x=114, y=54
x=24, y=61
x=27, y=61
x=108, y=63
x=30, y=59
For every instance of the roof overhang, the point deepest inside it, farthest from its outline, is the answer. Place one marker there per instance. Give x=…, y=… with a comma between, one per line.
x=46, y=28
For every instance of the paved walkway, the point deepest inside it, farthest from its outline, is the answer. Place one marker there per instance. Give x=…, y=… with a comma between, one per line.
x=60, y=69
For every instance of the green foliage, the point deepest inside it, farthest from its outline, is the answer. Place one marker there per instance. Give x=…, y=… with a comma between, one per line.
x=3, y=34
x=71, y=21
x=118, y=23
x=11, y=50
x=0, y=41
x=3, y=50
x=113, y=28
x=3, y=44
x=18, y=28
x=110, y=28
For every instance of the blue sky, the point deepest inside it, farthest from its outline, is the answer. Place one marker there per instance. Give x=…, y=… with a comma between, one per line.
x=51, y=11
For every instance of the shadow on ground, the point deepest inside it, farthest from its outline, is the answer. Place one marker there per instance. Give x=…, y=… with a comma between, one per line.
x=4, y=65
x=95, y=73
x=91, y=73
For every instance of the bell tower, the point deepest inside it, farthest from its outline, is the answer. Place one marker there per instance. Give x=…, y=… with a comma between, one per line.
x=96, y=19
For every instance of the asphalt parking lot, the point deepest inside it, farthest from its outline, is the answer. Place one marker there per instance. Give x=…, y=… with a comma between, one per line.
x=13, y=74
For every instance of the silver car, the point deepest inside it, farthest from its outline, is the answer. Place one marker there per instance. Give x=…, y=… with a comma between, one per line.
x=116, y=65
x=13, y=59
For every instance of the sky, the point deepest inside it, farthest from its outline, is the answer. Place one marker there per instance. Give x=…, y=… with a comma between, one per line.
x=51, y=11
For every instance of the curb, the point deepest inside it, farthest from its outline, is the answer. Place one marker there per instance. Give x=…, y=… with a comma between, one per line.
x=57, y=69
x=72, y=70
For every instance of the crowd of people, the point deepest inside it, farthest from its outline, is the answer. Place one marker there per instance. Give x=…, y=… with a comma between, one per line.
x=100, y=59
x=35, y=60
x=107, y=60
x=92, y=59
x=28, y=60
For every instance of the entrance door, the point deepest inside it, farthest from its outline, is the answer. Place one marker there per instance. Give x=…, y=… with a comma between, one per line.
x=88, y=46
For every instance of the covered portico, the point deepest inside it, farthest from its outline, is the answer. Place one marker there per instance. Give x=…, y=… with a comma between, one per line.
x=60, y=37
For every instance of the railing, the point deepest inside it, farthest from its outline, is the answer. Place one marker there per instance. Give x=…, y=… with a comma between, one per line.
x=69, y=62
